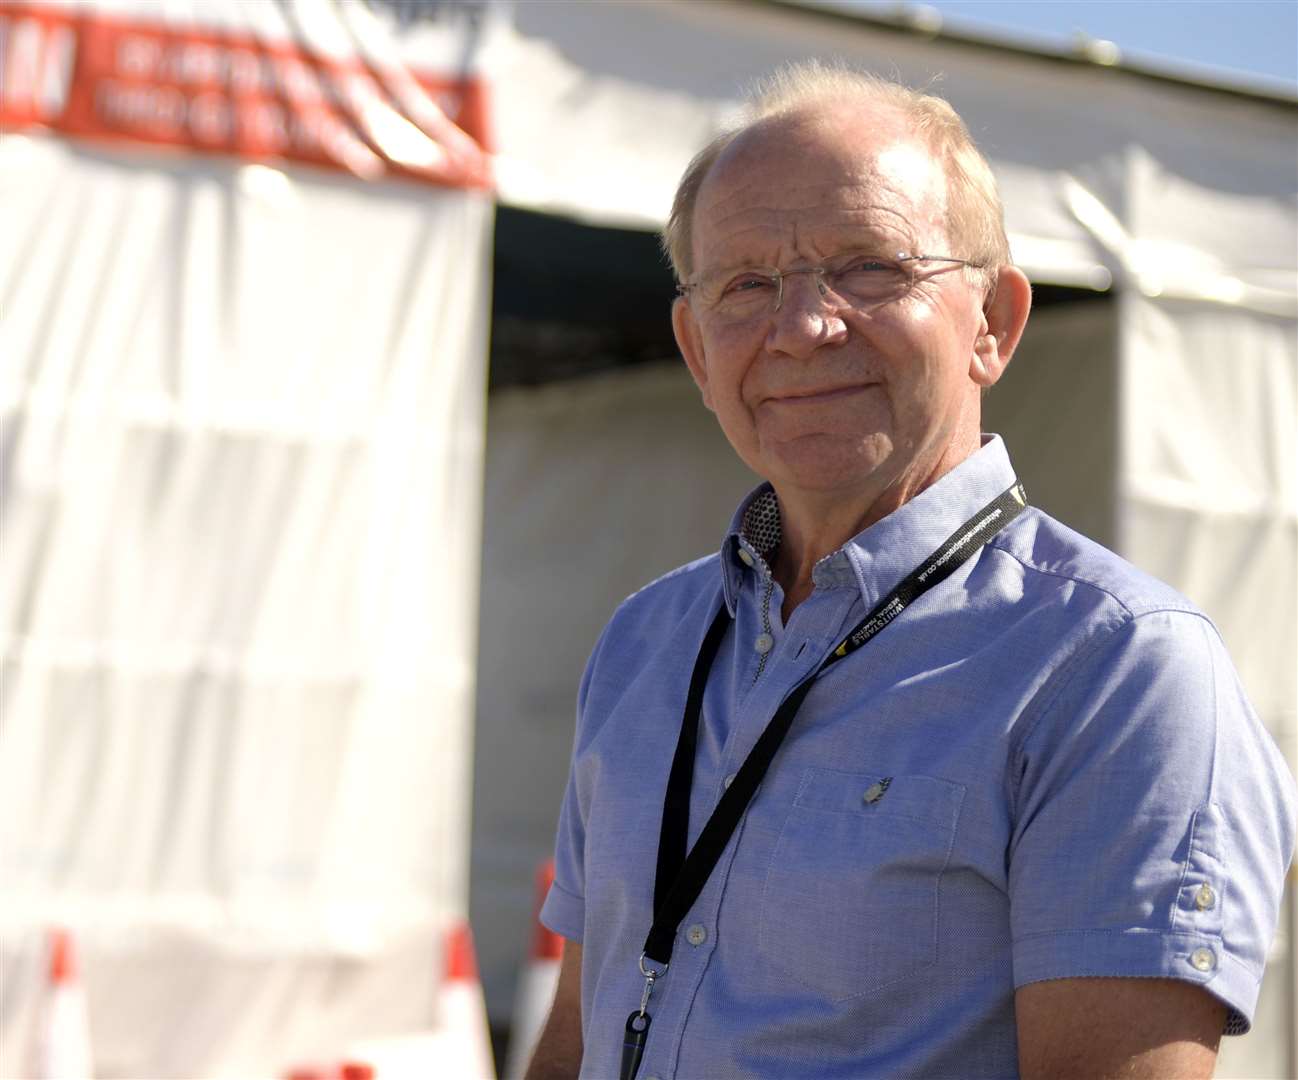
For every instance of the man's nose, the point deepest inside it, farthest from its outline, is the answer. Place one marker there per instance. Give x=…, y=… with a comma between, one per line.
x=807, y=316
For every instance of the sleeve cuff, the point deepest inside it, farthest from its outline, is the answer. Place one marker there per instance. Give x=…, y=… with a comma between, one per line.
x=564, y=913
x=1147, y=954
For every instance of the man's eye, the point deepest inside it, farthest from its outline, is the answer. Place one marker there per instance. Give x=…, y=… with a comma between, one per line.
x=866, y=264
x=747, y=283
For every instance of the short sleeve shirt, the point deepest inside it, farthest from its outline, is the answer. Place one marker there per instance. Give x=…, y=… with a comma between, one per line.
x=1044, y=768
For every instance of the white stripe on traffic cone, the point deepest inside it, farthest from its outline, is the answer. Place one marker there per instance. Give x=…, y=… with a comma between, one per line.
x=536, y=984
x=462, y=1011
x=61, y=1047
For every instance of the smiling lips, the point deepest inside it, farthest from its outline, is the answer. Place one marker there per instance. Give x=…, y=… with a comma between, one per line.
x=816, y=397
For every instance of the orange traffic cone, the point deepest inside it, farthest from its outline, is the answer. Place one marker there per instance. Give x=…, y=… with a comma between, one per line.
x=61, y=1048
x=462, y=1011
x=537, y=983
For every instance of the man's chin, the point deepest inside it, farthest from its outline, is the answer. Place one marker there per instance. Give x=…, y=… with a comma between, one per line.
x=829, y=464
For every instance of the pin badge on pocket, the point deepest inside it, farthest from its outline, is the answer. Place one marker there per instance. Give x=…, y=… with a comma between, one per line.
x=876, y=791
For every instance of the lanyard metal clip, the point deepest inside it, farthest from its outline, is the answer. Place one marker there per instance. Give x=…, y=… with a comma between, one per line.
x=650, y=976
x=637, y=1024
x=648, y=989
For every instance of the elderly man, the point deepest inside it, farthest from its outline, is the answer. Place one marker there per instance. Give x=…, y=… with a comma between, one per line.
x=909, y=779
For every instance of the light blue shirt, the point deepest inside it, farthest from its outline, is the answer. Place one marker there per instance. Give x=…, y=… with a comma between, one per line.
x=1045, y=768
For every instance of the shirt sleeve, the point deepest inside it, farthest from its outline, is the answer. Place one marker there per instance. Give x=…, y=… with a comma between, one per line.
x=564, y=909
x=1154, y=818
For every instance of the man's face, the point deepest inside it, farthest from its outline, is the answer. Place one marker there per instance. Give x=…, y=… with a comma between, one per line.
x=819, y=396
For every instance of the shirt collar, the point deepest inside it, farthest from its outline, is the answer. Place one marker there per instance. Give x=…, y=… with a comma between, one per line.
x=876, y=559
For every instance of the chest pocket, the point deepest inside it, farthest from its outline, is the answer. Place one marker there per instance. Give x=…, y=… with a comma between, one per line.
x=850, y=903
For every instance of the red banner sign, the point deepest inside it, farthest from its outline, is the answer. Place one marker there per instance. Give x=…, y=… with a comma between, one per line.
x=92, y=76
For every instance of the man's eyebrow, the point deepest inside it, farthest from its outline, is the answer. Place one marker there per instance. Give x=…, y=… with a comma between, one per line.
x=872, y=230
x=873, y=241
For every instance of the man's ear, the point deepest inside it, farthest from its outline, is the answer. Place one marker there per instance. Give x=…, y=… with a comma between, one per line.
x=1003, y=319
x=689, y=340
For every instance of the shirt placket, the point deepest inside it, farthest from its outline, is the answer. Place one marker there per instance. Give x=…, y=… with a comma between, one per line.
x=697, y=937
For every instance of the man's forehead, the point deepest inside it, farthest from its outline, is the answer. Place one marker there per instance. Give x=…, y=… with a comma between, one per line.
x=910, y=166
x=758, y=233
x=863, y=195
x=868, y=171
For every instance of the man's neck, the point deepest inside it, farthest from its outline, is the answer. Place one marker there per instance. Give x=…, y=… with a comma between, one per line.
x=816, y=524
x=807, y=536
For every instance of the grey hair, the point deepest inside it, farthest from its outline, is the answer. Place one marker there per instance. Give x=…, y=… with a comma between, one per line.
x=975, y=218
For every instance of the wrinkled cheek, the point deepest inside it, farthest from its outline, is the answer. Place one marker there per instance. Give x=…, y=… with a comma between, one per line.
x=737, y=424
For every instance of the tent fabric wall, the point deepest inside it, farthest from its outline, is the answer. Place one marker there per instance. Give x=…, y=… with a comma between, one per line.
x=244, y=415
x=244, y=314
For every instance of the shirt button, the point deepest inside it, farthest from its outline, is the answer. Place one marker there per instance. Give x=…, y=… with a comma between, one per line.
x=729, y=779
x=1203, y=959
x=696, y=935
x=745, y=557
x=1205, y=897
x=763, y=643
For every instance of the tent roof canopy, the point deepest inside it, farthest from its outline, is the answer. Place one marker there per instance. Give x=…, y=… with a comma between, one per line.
x=1111, y=176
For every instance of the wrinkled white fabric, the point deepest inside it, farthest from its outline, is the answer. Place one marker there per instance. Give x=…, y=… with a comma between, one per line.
x=243, y=434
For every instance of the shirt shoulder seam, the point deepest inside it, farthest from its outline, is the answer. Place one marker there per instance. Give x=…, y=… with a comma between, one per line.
x=1064, y=673
x=1000, y=543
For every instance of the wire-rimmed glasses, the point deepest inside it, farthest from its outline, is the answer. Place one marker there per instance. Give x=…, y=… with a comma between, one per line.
x=737, y=294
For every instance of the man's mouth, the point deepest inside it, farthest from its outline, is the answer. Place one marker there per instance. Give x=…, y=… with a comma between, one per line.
x=817, y=395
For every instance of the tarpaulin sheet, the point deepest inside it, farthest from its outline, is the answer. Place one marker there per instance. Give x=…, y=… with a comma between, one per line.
x=243, y=406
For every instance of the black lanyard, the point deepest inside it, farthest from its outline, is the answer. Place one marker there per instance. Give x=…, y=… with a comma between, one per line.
x=681, y=877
